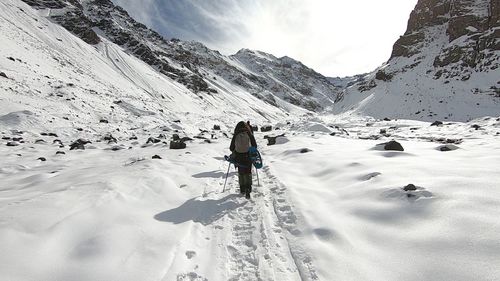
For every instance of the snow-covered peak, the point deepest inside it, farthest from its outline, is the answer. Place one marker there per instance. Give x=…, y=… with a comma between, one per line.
x=446, y=66
x=189, y=63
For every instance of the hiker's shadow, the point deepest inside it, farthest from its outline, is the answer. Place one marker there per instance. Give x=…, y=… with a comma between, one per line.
x=203, y=211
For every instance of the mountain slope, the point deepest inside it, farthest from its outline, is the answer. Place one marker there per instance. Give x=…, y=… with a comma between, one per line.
x=63, y=82
x=190, y=63
x=446, y=66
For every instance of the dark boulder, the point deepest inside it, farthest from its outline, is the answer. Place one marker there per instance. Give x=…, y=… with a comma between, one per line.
x=103, y=121
x=177, y=145
x=216, y=127
x=79, y=144
x=152, y=140
x=266, y=128
x=454, y=141
x=271, y=140
x=305, y=150
x=133, y=138
x=40, y=141
x=255, y=128
x=393, y=145
x=2, y=74
x=12, y=143
x=60, y=152
x=386, y=119
x=52, y=135
x=156, y=157
x=42, y=159
x=109, y=138
x=448, y=147
x=6, y=138
x=437, y=123
x=382, y=75
x=410, y=187
x=476, y=127
x=175, y=137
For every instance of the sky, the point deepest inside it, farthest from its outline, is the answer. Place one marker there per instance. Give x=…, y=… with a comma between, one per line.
x=336, y=38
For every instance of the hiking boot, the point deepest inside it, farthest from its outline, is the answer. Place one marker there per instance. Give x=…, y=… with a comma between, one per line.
x=242, y=190
x=247, y=195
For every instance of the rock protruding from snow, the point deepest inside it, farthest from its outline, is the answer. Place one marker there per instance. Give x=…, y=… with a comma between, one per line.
x=79, y=144
x=448, y=147
x=266, y=128
x=393, y=145
x=410, y=187
x=178, y=144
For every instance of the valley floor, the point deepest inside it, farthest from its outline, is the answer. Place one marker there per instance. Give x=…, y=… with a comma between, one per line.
x=327, y=208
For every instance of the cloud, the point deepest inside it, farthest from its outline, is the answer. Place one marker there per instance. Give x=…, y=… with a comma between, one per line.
x=334, y=37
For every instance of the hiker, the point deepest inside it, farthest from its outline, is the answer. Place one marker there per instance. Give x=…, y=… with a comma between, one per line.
x=242, y=140
x=250, y=127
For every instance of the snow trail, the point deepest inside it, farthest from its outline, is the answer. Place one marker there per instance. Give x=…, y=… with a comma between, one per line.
x=261, y=243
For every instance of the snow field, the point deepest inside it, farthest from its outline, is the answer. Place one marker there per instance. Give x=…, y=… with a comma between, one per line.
x=334, y=211
x=361, y=225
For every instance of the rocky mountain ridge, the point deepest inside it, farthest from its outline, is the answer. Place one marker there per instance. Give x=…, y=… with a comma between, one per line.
x=445, y=66
x=191, y=63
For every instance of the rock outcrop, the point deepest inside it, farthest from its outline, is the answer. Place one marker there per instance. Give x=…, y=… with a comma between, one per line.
x=448, y=57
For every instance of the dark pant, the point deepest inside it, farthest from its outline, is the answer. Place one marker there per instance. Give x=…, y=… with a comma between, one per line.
x=245, y=181
x=244, y=165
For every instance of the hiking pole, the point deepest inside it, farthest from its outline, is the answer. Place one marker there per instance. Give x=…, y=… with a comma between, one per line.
x=227, y=175
x=257, y=172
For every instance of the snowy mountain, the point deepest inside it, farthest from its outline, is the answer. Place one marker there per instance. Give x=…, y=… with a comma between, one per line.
x=112, y=144
x=190, y=63
x=446, y=66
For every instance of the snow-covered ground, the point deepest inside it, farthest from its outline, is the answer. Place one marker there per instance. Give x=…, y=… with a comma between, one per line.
x=336, y=211
x=327, y=207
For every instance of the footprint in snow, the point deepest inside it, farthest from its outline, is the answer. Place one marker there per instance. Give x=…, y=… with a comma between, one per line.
x=190, y=276
x=190, y=254
x=369, y=176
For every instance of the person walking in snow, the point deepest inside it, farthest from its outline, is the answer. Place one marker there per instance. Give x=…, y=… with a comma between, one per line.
x=250, y=127
x=242, y=140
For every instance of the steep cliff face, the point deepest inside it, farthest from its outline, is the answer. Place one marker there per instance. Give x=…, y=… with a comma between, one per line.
x=190, y=63
x=445, y=66
x=471, y=31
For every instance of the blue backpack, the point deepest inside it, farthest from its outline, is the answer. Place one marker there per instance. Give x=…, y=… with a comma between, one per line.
x=255, y=157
